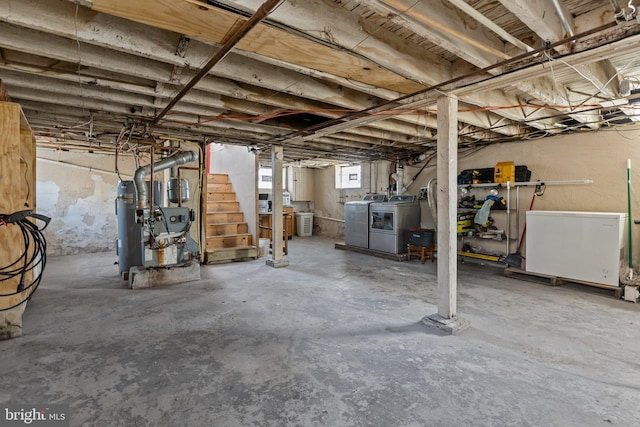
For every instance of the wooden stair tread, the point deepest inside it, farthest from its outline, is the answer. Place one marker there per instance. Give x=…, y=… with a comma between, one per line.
x=224, y=255
x=217, y=178
x=226, y=233
x=221, y=196
x=220, y=188
x=213, y=236
x=226, y=212
x=231, y=249
x=223, y=229
x=222, y=212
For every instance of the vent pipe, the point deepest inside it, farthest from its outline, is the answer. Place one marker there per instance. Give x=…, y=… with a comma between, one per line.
x=142, y=172
x=563, y=18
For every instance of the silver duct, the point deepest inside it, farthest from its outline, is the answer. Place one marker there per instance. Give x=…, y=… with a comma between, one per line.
x=143, y=171
x=616, y=6
x=563, y=18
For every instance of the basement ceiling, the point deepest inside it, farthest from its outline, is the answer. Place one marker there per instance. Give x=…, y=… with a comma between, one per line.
x=332, y=81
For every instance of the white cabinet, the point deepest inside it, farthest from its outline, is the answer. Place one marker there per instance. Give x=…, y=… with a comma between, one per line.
x=300, y=183
x=588, y=246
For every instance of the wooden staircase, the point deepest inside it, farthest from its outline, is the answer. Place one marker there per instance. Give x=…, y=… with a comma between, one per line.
x=227, y=237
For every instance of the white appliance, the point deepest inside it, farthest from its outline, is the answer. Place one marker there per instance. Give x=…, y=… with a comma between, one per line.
x=263, y=203
x=589, y=246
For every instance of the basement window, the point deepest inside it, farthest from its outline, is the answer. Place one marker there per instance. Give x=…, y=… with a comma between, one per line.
x=348, y=176
x=265, y=178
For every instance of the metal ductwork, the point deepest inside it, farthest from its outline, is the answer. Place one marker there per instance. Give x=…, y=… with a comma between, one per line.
x=563, y=18
x=169, y=162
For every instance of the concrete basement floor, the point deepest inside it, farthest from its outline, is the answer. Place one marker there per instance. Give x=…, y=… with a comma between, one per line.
x=332, y=340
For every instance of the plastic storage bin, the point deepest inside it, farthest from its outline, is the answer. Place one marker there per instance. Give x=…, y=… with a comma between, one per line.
x=421, y=237
x=304, y=223
x=264, y=247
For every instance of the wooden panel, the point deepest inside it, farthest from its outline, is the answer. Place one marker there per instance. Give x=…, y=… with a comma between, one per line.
x=10, y=195
x=288, y=221
x=27, y=168
x=264, y=224
x=214, y=24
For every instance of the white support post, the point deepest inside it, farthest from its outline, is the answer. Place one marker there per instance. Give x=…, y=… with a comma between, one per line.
x=277, y=223
x=447, y=170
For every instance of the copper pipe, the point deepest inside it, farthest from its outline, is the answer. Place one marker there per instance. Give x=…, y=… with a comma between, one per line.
x=235, y=38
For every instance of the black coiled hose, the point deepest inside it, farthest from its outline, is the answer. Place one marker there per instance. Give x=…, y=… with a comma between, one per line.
x=33, y=258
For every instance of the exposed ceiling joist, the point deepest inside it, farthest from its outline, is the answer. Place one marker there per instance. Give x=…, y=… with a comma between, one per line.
x=335, y=79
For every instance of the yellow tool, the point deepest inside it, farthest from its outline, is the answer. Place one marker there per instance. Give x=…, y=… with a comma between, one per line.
x=504, y=172
x=479, y=256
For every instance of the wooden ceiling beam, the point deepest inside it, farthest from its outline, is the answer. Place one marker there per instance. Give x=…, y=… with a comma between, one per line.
x=196, y=21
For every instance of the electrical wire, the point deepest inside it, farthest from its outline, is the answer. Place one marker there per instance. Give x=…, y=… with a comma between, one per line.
x=32, y=259
x=26, y=180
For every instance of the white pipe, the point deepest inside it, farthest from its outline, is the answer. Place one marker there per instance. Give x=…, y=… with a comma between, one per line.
x=517, y=184
x=616, y=6
x=566, y=182
x=328, y=219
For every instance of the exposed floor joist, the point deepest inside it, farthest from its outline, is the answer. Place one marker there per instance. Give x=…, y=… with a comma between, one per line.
x=300, y=76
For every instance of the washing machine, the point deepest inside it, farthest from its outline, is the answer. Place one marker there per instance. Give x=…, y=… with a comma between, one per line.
x=389, y=223
x=356, y=220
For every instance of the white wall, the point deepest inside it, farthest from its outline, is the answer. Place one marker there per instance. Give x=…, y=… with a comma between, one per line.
x=329, y=201
x=598, y=156
x=242, y=168
x=78, y=192
x=80, y=201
